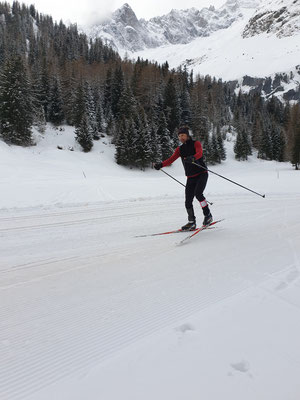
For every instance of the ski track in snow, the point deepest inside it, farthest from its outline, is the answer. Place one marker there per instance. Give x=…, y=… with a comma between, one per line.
x=76, y=287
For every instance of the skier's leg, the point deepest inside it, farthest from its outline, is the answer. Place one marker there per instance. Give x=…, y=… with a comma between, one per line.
x=201, y=184
x=189, y=196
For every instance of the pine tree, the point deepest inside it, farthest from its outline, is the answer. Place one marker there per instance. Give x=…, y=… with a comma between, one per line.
x=90, y=109
x=163, y=135
x=16, y=103
x=56, y=111
x=278, y=143
x=134, y=129
x=220, y=145
x=185, y=106
x=127, y=106
x=79, y=108
x=117, y=89
x=40, y=119
x=207, y=149
x=293, y=136
x=242, y=147
x=265, y=145
x=156, y=155
x=256, y=132
x=108, y=94
x=214, y=153
x=143, y=143
x=200, y=122
x=69, y=85
x=296, y=148
x=121, y=143
x=84, y=134
x=171, y=106
x=99, y=117
x=44, y=91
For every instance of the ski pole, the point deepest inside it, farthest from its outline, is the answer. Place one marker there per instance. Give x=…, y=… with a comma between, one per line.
x=221, y=176
x=180, y=182
x=172, y=177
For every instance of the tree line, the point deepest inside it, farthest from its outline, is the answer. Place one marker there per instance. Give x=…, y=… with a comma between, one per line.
x=50, y=72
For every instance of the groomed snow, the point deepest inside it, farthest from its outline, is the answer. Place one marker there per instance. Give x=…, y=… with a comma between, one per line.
x=87, y=310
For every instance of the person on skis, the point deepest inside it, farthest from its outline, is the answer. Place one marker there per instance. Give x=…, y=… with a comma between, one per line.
x=191, y=152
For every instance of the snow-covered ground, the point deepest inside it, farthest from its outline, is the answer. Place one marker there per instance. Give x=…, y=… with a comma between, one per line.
x=90, y=311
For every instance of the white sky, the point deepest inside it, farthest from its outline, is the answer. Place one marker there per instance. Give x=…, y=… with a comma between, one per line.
x=90, y=11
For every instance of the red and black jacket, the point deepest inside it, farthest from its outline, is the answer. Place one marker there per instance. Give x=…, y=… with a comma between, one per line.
x=189, y=148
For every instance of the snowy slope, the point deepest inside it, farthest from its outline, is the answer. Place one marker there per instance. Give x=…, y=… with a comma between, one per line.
x=87, y=310
x=43, y=175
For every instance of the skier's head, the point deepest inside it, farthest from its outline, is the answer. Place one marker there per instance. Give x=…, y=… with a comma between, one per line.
x=183, y=134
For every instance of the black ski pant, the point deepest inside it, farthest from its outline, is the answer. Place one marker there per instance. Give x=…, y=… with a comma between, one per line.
x=194, y=188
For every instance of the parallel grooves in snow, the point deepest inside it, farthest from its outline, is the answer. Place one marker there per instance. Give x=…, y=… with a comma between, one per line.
x=76, y=222
x=17, y=386
x=64, y=315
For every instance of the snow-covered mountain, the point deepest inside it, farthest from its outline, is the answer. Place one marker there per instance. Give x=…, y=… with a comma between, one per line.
x=279, y=17
x=124, y=31
x=244, y=41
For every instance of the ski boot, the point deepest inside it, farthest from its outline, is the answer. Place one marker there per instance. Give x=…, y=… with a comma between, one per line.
x=207, y=219
x=190, y=226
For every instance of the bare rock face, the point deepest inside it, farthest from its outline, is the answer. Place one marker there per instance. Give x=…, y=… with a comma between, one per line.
x=281, y=18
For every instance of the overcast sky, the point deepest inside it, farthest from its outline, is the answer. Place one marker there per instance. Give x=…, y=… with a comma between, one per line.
x=90, y=11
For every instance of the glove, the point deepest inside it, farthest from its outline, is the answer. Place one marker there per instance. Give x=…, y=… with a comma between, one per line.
x=158, y=166
x=190, y=159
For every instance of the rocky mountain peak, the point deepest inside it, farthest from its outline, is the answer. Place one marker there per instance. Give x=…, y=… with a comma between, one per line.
x=125, y=15
x=125, y=32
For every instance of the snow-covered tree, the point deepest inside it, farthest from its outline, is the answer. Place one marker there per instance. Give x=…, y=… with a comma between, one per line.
x=143, y=143
x=220, y=145
x=171, y=106
x=242, y=147
x=185, y=107
x=40, y=119
x=155, y=145
x=163, y=135
x=84, y=134
x=121, y=143
x=16, y=103
x=56, y=107
x=90, y=109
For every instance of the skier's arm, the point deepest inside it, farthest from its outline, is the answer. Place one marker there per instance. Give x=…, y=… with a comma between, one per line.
x=199, y=150
x=173, y=157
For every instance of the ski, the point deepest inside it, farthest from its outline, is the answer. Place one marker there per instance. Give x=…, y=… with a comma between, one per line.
x=170, y=232
x=199, y=230
x=166, y=233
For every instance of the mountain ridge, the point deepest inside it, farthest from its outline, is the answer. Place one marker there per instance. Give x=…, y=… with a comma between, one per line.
x=242, y=41
x=125, y=32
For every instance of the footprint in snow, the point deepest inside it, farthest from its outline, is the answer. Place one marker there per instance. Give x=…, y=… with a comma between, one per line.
x=241, y=366
x=281, y=286
x=185, y=328
x=290, y=277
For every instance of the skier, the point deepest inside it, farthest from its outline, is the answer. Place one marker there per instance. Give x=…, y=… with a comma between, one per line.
x=191, y=151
